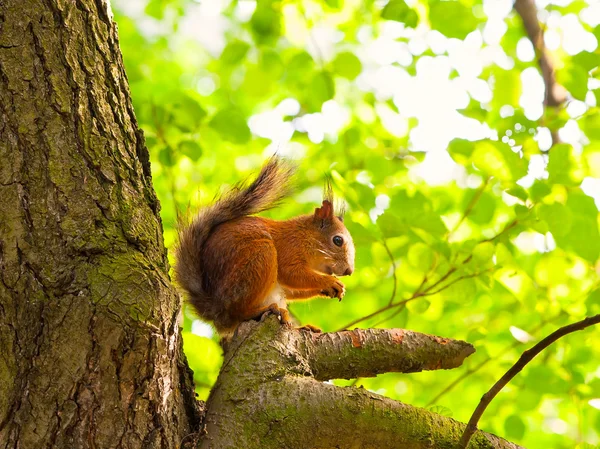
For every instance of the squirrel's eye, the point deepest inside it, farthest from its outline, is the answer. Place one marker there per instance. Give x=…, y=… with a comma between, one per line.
x=338, y=241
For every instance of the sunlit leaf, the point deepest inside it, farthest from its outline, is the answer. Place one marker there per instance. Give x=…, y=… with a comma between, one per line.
x=399, y=11
x=498, y=160
x=346, y=64
x=420, y=256
x=231, y=125
x=518, y=192
x=558, y=217
x=266, y=20
x=574, y=79
x=191, y=149
x=483, y=252
x=452, y=18
x=514, y=427
x=234, y=52
x=322, y=89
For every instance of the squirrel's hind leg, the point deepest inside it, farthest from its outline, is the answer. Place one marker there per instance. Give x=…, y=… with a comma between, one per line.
x=257, y=280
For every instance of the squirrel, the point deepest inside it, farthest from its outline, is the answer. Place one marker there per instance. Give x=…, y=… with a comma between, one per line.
x=235, y=267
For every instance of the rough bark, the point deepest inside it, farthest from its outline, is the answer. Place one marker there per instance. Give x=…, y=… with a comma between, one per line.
x=268, y=396
x=91, y=353
x=368, y=352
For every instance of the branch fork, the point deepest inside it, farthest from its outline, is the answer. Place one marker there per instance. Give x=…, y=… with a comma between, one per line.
x=272, y=388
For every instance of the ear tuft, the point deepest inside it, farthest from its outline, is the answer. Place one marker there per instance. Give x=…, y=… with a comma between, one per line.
x=325, y=211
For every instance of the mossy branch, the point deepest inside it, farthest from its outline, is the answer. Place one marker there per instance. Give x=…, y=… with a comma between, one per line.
x=269, y=393
x=368, y=352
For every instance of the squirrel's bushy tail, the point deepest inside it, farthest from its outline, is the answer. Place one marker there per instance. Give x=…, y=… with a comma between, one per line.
x=268, y=189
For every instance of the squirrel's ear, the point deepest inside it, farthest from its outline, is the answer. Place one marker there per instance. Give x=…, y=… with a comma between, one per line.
x=325, y=212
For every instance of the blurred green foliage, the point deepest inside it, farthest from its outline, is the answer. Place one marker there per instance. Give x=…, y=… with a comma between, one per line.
x=494, y=241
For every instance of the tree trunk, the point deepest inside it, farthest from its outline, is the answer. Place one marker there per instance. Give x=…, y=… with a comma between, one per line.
x=91, y=352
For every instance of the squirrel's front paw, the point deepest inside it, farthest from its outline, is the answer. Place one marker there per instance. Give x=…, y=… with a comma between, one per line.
x=336, y=290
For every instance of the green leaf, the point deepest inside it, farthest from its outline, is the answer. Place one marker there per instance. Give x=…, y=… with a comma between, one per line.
x=391, y=225
x=204, y=357
x=592, y=303
x=584, y=237
x=575, y=80
x=483, y=252
x=452, y=18
x=415, y=212
x=155, y=9
x=231, y=125
x=590, y=123
x=271, y=63
x=539, y=190
x=234, y=52
x=586, y=60
x=518, y=192
x=266, y=21
x=461, y=150
x=347, y=65
x=298, y=66
x=322, y=89
x=507, y=89
x=399, y=11
x=461, y=291
x=334, y=4
x=187, y=112
x=561, y=164
x=514, y=427
x=521, y=211
x=419, y=306
x=420, y=256
x=558, y=217
x=596, y=93
x=165, y=156
x=498, y=160
x=191, y=149
x=483, y=210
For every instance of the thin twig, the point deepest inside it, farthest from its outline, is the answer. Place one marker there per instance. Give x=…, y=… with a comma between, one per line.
x=555, y=95
x=454, y=281
x=416, y=295
x=426, y=292
x=471, y=205
x=484, y=362
x=393, y=261
x=393, y=315
x=527, y=10
x=525, y=358
x=507, y=228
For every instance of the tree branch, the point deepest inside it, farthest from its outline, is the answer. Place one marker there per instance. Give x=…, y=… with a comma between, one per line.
x=355, y=418
x=270, y=391
x=555, y=94
x=368, y=352
x=525, y=358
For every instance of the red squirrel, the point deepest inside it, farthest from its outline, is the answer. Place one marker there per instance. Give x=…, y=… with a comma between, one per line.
x=235, y=267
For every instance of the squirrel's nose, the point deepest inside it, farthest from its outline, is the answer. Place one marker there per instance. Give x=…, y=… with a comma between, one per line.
x=348, y=271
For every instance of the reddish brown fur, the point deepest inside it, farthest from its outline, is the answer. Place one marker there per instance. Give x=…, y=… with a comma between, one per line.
x=230, y=264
